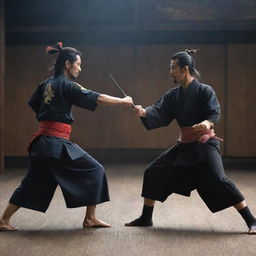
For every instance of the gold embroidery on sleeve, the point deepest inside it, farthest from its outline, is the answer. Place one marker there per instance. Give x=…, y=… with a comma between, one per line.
x=80, y=86
x=48, y=94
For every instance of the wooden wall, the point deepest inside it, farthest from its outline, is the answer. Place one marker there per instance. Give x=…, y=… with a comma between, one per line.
x=2, y=58
x=241, y=108
x=143, y=72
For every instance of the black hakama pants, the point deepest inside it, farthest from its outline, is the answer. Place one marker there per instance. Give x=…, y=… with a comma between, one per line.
x=162, y=178
x=83, y=182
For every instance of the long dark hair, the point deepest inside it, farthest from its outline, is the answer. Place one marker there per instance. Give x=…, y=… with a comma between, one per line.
x=65, y=53
x=185, y=59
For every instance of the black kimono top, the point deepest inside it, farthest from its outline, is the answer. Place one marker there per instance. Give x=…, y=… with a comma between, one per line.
x=52, y=101
x=190, y=106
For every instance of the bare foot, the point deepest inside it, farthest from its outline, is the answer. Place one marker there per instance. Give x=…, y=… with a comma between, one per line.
x=95, y=223
x=252, y=230
x=6, y=226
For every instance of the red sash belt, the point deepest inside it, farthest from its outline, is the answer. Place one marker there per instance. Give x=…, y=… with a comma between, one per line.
x=189, y=134
x=53, y=128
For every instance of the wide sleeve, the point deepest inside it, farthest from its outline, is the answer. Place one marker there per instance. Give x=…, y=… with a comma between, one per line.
x=211, y=104
x=81, y=97
x=35, y=100
x=161, y=113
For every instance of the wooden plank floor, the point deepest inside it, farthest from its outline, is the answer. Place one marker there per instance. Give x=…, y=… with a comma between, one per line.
x=182, y=226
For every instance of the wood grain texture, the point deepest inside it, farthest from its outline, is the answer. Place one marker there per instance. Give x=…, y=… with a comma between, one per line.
x=2, y=83
x=203, y=13
x=241, y=112
x=177, y=14
x=182, y=226
x=143, y=72
x=26, y=67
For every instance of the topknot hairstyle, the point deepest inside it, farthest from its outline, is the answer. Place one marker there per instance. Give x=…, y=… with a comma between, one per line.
x=185, y=59
x=65, y=53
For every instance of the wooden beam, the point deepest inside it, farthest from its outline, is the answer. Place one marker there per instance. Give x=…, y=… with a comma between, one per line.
x=2, y=63
x=132, y=37
x=178, y=25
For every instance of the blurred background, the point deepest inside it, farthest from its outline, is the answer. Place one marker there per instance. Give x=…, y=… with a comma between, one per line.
x=134, y=40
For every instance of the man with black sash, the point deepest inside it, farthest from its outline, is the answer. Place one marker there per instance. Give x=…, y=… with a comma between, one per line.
x=54, y=159
x=194, y=162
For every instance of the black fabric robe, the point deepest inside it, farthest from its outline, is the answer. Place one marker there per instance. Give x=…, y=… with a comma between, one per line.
x=57, y=161
x=191, y=106
x=188, y=166
x=53, y=101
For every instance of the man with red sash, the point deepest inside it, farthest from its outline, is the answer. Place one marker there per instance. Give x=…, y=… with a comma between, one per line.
x=54, y=159
x=194, y=162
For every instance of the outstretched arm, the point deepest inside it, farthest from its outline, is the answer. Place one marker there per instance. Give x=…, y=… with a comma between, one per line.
x=110, y=100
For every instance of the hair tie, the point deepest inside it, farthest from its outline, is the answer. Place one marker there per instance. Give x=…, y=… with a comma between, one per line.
x=59, y=46
x=191, y=51
x=52, y=50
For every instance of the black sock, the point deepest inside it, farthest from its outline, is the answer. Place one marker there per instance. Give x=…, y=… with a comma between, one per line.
x=145, y=218
x=147, y=213
x=247, y=216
